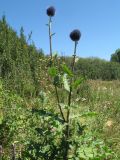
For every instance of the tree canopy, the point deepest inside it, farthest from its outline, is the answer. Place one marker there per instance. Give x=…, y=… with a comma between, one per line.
x=115, y=57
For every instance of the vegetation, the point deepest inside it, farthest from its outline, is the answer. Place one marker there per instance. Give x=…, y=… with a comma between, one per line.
x=115, y=57
x=49, y=106
x=94, y=68
x=19, y=62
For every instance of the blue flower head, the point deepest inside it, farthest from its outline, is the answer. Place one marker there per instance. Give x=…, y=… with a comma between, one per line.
x=50, y=11
x=75, y=35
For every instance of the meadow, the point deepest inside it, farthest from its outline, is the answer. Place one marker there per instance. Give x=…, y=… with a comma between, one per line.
x=95, y=96
x=105, y=100
x=54, y=107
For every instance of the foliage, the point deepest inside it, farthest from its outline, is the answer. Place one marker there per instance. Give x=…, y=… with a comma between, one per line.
x=94, y=68
x=19, y=62
x=39, y=132
x=14, y=122
x=115, y=57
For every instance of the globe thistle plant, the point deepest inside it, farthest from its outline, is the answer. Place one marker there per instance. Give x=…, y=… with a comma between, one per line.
x=75, y=36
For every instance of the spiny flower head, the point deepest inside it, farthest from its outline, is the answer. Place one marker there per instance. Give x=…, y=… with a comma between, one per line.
x=50, y=11
x=75, y=35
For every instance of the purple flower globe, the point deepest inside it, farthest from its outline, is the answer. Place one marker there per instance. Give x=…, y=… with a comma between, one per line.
x=75, y=35
x=50, y=11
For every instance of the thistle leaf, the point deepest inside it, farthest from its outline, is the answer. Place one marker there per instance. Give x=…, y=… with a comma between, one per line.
x=66, y=83
x=52, y=71
x=67, y=70
x=77, y=83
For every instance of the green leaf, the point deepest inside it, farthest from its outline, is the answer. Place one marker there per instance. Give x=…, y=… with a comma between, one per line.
x=77, y=82
x=67, y=70
x=88, y=114
x=52, y=71
x=88, y=152
x=65, y=82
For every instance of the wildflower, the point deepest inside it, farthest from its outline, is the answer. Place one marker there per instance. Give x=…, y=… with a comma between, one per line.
x=50, y=11
x=75, y=35
x=109, y=123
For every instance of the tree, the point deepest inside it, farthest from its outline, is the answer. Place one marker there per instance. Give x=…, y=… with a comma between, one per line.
x=115, y=57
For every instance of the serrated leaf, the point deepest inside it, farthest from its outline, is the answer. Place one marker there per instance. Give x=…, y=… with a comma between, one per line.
x=67, y=70
x=52, y=71
x=66, y=83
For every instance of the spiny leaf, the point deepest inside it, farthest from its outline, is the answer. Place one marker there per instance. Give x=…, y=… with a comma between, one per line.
x=67, y=70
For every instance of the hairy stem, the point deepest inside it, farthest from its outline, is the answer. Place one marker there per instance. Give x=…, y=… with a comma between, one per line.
x=50, y=36
x=69, y=103
x=50, y=42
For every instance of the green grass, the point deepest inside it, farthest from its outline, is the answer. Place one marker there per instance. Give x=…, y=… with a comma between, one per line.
x=98, y=96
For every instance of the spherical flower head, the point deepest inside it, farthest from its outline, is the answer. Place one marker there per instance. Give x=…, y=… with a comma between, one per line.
x=75, y=35
x=50, y=11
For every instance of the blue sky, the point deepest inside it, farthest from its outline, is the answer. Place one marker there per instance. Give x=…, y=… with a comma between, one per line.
x=98, y=21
